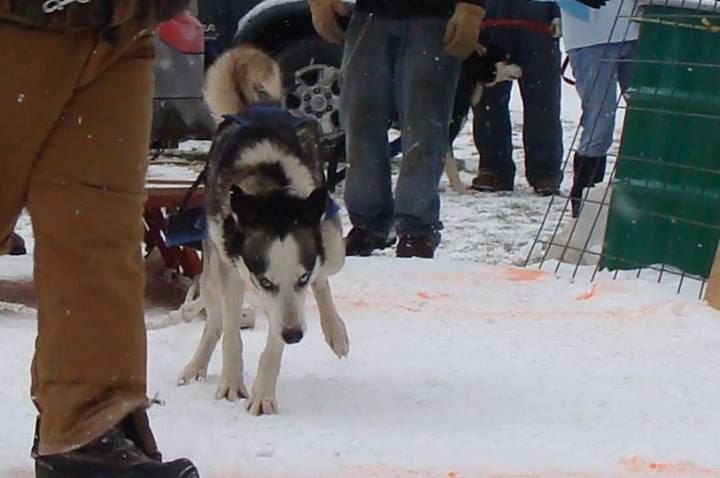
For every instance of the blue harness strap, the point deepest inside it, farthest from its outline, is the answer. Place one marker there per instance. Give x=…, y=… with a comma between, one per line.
x=332, y=209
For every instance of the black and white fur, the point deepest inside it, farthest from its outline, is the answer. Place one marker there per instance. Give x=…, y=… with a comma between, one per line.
x=488, y=66
x=267, y=229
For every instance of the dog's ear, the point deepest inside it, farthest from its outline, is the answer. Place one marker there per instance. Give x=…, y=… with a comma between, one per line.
x=237, y=197
x=243, y=205
x=314, y=207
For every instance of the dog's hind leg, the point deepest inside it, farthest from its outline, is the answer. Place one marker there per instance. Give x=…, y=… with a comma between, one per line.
x=453, y=175
x=262, y=401
x=333, y=326
x=196, y=369
x=232, y=292
x=192, y=306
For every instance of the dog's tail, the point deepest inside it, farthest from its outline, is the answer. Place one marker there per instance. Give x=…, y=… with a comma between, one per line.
x=241, y=76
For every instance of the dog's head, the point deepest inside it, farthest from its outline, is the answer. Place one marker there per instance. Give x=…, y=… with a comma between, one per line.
x=275, y=241
x=488, y=66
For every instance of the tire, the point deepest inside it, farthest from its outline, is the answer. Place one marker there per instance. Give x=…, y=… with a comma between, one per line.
x=311, y=67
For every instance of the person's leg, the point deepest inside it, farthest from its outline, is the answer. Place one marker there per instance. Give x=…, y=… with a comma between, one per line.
x=595, y=69
x=38, y=73
x=625, y=65
x=492, y=132
x=85, y=198
x=542, y=130
x=428, y=81
x=366, y=108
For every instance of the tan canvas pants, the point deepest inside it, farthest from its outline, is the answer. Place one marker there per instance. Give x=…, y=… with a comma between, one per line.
x=75, y=117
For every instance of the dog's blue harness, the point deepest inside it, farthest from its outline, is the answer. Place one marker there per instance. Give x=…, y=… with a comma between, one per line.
x=188, y=226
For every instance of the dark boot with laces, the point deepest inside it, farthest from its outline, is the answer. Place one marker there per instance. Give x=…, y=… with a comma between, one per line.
x=421, y=245
x=362, y=242
x=111, y=456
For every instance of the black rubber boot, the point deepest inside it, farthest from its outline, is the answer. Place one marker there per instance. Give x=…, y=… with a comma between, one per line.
x=420, y=245
x=587, y=172
x=111, y=456
x=362, y=242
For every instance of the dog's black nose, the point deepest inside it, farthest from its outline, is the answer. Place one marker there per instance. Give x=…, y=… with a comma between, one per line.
x=292, y=336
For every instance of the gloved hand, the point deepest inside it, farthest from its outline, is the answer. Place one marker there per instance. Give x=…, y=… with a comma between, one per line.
x=593, y=3
x=324, y=18
x=463, y=30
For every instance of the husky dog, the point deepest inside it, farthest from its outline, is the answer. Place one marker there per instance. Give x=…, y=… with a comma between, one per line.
x=488, y=66
x=271, y=226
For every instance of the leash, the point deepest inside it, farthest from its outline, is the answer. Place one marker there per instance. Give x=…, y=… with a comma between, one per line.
x=563, y=70
x=517, y=23
x=195, y=185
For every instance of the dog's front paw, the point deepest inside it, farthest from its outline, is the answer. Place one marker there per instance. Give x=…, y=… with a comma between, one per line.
x=258, y=405
x=231, y=389
x=338, y=340
x=192, y=373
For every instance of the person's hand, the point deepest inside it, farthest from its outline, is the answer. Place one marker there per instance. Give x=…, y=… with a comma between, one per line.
x=556, y=28
x=324, y=18
x=593, y=3
x=463, y=30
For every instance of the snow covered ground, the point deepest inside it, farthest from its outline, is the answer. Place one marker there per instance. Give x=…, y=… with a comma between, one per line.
x=465, y=366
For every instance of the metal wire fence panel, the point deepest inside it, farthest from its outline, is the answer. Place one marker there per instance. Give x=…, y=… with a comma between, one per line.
x=660, y=209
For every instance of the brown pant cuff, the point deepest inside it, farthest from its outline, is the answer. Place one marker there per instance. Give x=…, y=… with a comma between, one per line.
x=56, y=437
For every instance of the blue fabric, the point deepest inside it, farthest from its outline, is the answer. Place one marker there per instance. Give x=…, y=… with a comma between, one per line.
x=332, y=210
x=598, y=71
x=396, y=65
x=187, y=228
x=572, y=8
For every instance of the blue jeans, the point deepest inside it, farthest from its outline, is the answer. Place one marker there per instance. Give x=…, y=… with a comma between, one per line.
x=598, y=71
x=396, y=65
x=539, y=57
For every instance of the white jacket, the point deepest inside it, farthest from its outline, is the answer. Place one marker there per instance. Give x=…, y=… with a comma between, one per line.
x=584, y=26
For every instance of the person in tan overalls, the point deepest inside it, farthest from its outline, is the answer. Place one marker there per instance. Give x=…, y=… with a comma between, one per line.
x=76, y=87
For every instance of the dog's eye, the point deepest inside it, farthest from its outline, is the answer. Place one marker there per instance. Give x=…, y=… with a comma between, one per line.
x=265, y=283
x=303, y=279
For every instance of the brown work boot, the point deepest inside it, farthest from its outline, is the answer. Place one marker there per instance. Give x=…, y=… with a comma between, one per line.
x=545, y=186
x=490, y=182
x=17, y=245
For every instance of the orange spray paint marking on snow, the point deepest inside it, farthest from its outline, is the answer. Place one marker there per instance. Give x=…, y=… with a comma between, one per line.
x=591, y=294
x=428, y=296
x=643, y=466
x=516, y=274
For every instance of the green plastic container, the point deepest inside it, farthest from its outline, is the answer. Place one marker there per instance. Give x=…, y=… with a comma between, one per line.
x=665, y=206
